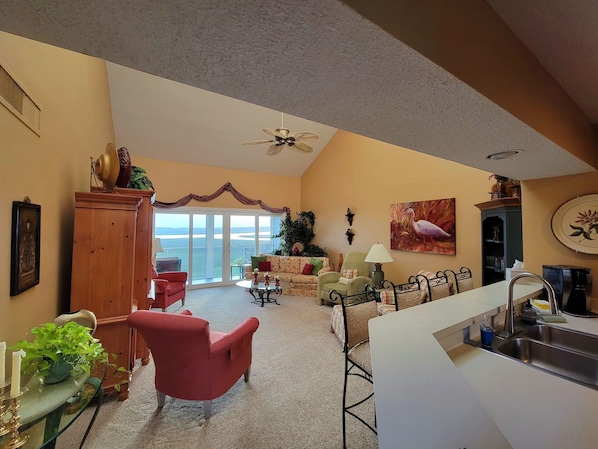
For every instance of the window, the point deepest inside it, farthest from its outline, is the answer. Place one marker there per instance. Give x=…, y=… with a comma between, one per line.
x=214, y=246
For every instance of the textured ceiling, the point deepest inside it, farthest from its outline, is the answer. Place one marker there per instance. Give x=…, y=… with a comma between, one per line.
x=315, y=59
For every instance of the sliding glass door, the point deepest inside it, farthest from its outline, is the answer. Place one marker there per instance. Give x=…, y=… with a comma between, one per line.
x=213, y=246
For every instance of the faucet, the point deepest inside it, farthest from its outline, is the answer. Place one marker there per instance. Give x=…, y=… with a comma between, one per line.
x=509, y=328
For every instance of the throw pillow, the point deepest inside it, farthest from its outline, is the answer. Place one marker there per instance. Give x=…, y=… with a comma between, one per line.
x=318, y=265
x=343, y=280
x=255, y=261
x=387, y=297
x=350, y=274
x=265, y=266
x=307, y=269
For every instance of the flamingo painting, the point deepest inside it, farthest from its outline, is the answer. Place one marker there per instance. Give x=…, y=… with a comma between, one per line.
x=433, y=232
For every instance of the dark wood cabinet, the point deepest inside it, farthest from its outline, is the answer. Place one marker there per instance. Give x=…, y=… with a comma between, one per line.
x=502, y=240
x=111, y=270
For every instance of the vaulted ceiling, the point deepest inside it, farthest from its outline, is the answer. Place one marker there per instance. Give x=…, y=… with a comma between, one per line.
x=191, y=80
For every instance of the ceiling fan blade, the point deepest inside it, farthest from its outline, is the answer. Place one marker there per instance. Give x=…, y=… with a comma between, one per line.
x=258, y=142
x=274, y=149
x=301, y=147
x=305, y=137
x=281, y=133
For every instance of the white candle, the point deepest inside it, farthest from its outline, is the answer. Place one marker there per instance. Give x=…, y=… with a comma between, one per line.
x=15, y=387
x=2, y=363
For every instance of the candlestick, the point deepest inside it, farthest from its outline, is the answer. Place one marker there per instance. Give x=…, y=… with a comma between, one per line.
x=2, y=363
x=4, y=429
x=15, y=440
x=15, y=387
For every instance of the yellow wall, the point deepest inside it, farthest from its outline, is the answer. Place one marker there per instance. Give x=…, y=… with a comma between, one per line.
x=72, y=90
x=174, y=180
x=368, y=176
x=540, y=199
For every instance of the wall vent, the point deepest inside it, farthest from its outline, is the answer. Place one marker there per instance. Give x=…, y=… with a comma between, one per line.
x=17, y=101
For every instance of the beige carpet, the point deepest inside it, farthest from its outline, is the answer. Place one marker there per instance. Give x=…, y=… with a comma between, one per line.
x=292, y=400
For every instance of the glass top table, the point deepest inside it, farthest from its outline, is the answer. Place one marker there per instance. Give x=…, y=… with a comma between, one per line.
x=48, y=410
x=262, y=291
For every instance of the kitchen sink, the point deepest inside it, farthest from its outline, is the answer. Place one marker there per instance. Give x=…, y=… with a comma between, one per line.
x=562, y=362
x=564, y=338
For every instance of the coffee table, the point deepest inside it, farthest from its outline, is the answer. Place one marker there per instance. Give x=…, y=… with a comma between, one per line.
x=262, y=291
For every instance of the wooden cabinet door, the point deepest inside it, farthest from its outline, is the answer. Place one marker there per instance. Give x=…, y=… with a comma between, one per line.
x=103, y=270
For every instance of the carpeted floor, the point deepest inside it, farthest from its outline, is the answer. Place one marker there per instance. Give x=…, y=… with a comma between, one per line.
x=292, y=400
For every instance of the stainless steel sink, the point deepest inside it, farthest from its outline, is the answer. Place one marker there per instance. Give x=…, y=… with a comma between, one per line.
x=568, y=364
x=564, y=338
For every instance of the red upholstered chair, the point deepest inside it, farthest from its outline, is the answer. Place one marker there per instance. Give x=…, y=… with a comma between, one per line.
x=169, y=286
x=192, y=362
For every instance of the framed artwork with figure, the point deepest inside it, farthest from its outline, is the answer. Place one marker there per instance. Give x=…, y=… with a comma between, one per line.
x=25, y=246
x=424, y=226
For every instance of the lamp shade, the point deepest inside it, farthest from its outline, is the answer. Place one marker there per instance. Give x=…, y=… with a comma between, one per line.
x=378, y=254
x=157, y=246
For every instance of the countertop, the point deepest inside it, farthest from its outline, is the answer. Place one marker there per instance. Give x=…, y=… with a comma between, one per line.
x=431, y=391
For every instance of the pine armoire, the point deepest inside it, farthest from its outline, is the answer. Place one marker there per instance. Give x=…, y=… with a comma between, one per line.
x=111, y=271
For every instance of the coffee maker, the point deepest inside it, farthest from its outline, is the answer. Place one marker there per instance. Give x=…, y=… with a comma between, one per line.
x=570, y=284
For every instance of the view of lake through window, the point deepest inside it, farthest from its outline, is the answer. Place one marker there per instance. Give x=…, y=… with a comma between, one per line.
x=214, y=247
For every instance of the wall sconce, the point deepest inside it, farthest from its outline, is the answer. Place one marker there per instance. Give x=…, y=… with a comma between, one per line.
x=349, y=216
x=350, y=235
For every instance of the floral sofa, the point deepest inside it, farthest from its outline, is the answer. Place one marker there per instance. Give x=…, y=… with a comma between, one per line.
x=296, y=276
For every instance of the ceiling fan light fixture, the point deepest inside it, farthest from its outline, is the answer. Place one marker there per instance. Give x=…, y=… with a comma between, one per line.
x=283, y=137
x=503, y=155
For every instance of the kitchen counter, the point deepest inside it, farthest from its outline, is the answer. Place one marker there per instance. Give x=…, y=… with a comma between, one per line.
x=432, y=391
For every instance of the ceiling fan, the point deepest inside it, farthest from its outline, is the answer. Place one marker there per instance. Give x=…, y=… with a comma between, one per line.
x=283, y=137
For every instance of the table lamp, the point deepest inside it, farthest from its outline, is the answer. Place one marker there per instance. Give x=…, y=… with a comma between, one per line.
x=378, y=255
x=156, y=248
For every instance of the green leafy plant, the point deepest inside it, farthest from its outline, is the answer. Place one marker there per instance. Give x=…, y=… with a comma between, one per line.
x=299, y=230
x=139, y=179
x=68, y=349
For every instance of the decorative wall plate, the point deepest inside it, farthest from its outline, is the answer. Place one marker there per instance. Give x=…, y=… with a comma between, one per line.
x=575, y=224
x=297, y=248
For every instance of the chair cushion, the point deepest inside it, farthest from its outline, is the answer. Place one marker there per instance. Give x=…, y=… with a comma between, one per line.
x=255, y=261
x=174, y=287
x=360, y=355
x=307, y=269
x=265, y=265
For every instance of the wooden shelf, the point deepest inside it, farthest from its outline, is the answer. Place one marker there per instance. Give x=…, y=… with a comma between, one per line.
x=500, y=202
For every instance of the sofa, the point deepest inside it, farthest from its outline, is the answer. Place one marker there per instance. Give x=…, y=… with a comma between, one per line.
x=296, y=276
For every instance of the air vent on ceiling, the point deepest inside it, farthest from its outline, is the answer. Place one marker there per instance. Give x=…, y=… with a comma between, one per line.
x=17, y=101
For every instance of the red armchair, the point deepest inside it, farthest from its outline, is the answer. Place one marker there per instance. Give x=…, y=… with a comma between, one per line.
x=169, y=287
x=192, y=362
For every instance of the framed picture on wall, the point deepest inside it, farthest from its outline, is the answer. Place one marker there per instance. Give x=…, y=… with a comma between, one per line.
x=25, y=246
x=424, y=226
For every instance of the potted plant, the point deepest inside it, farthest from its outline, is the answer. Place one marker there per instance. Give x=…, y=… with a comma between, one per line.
x=299, y=230
x=139, y=179
x=57, y=352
